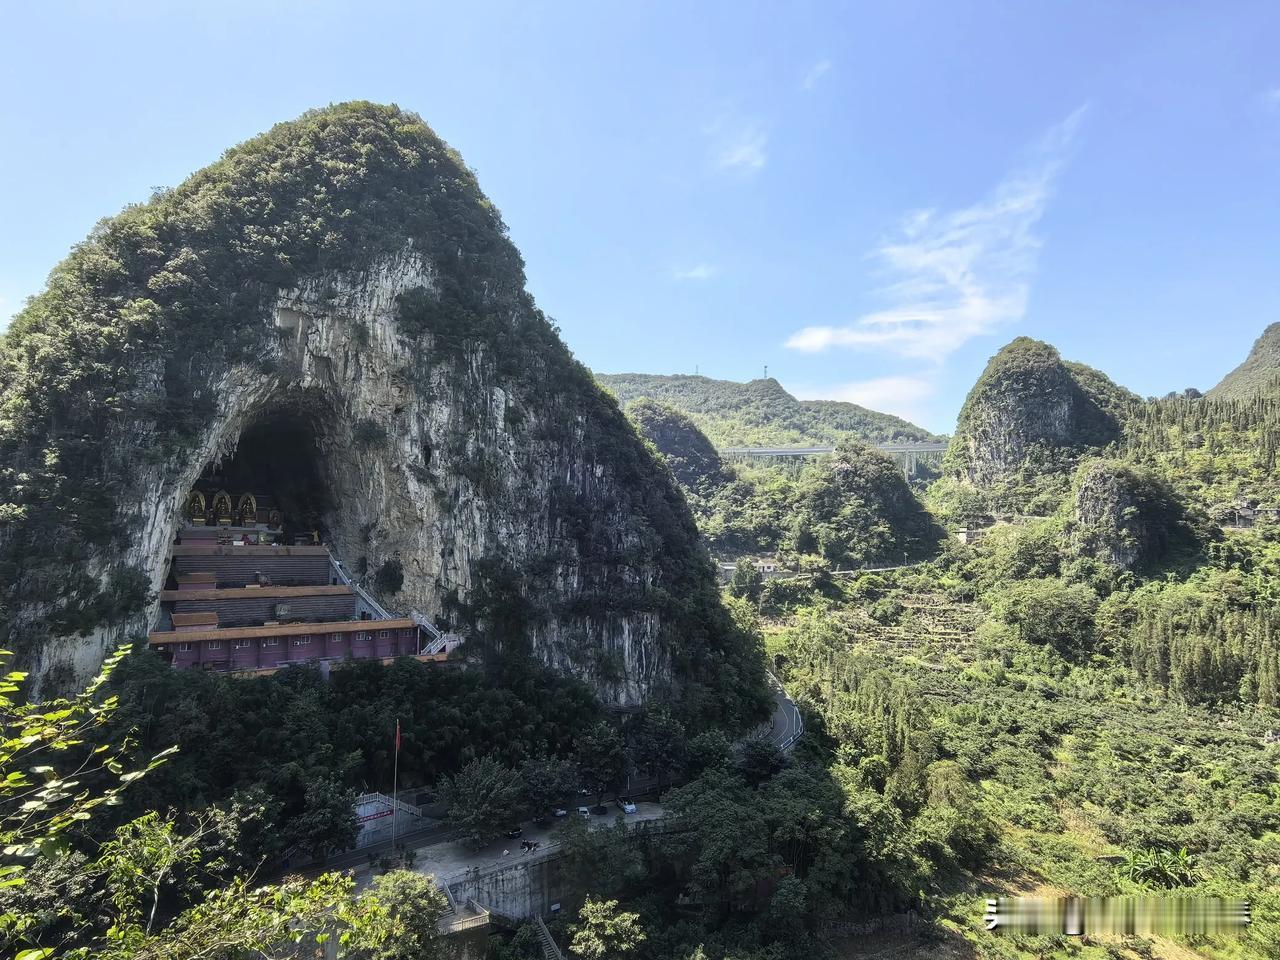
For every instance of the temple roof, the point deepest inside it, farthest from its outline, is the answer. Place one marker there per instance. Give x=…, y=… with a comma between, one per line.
x=279, y=630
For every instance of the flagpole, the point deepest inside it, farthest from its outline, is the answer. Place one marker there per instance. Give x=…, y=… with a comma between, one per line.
x=395, y=789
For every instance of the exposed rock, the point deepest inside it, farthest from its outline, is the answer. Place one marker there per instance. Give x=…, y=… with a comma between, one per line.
x=1259, y=374
x=1124, y=516
x=343, y=275
x=1030, y=406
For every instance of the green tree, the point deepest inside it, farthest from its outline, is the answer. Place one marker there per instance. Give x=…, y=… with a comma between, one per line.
x=604, y=932
x=47, y=767
x=1051, y=612
x=547, y=781
x=761, y=759
x=328, y=820
x=602, y=759
x=602, y=860
x=483, y=800
x=416, y=904
x=747, y=581
x=240, y=919
x=706, y=751
x=658, y=746
x=142, y=861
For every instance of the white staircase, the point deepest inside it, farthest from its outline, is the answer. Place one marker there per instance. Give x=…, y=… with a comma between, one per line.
x=549, y=949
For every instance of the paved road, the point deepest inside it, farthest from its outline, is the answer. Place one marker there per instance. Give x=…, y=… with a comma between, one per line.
x=785, y=725
x=411, y=839
x=788, y=724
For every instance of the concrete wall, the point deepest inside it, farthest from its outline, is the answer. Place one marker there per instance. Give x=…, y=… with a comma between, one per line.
x=523, y=890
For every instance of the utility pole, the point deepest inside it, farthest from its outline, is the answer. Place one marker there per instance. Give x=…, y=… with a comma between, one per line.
x=395, y=789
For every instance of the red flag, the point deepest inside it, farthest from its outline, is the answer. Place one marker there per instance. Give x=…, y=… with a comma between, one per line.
x=397, y=736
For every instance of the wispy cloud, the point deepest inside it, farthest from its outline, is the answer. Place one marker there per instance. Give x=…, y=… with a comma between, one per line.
x=814, y=74
x=904, y=396
x=737, y=143
x=701, y=271
x=958, y=274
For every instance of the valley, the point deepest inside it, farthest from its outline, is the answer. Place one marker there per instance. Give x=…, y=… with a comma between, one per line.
x=309, y=518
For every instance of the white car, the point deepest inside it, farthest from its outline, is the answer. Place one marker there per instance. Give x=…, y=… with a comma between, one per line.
x=626, y=806
x=584, y=811
x=561, y=812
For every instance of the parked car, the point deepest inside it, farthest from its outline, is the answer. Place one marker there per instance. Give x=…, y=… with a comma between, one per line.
x=584, y=811
x=561, y=812
x=625, y=805
x=514, y=833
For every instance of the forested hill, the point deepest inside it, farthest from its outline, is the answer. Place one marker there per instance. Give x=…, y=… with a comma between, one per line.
x=760, y=412
x=1260, y=372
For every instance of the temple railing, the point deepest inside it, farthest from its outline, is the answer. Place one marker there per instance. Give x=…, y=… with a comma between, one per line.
x=361, y=592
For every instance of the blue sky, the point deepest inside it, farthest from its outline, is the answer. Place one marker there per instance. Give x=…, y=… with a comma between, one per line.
x=870, y=198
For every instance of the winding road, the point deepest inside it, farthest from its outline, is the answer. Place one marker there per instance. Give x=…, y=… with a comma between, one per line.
x=785, y=725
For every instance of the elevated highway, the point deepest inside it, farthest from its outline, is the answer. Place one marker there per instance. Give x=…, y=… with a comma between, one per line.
x=924, y=446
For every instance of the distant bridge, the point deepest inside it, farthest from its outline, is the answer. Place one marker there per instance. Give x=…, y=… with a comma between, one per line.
x=923, y=446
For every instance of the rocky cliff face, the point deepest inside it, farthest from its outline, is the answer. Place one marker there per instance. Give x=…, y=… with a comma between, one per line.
x=1124, y=516
x=343, y=277
x=1029, y=405
x=1260, y=372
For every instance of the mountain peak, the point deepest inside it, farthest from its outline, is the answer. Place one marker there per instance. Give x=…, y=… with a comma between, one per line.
x=1260, y=372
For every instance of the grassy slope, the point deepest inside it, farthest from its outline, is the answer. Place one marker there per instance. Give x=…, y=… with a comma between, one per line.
x=760, y=412
x=1258, y=372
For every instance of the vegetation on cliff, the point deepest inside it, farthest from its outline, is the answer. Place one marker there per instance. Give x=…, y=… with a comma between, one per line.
x=693, y=460
x=1027, y=421
x=1259, y=374
x=114, y=370
x=760, y=412
x=851, y=507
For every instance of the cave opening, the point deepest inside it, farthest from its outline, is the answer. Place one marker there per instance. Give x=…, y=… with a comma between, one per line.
x=271, y=489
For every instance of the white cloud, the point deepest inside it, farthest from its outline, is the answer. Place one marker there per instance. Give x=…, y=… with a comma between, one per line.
x=958, y=274
x=737, y=143
x=702, y=271
x=814, y=74
x=905, y=396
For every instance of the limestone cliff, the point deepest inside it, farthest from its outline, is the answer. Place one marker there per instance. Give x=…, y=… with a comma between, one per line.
x=1125, y=516
x=343, y=274
x=1031, y=407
